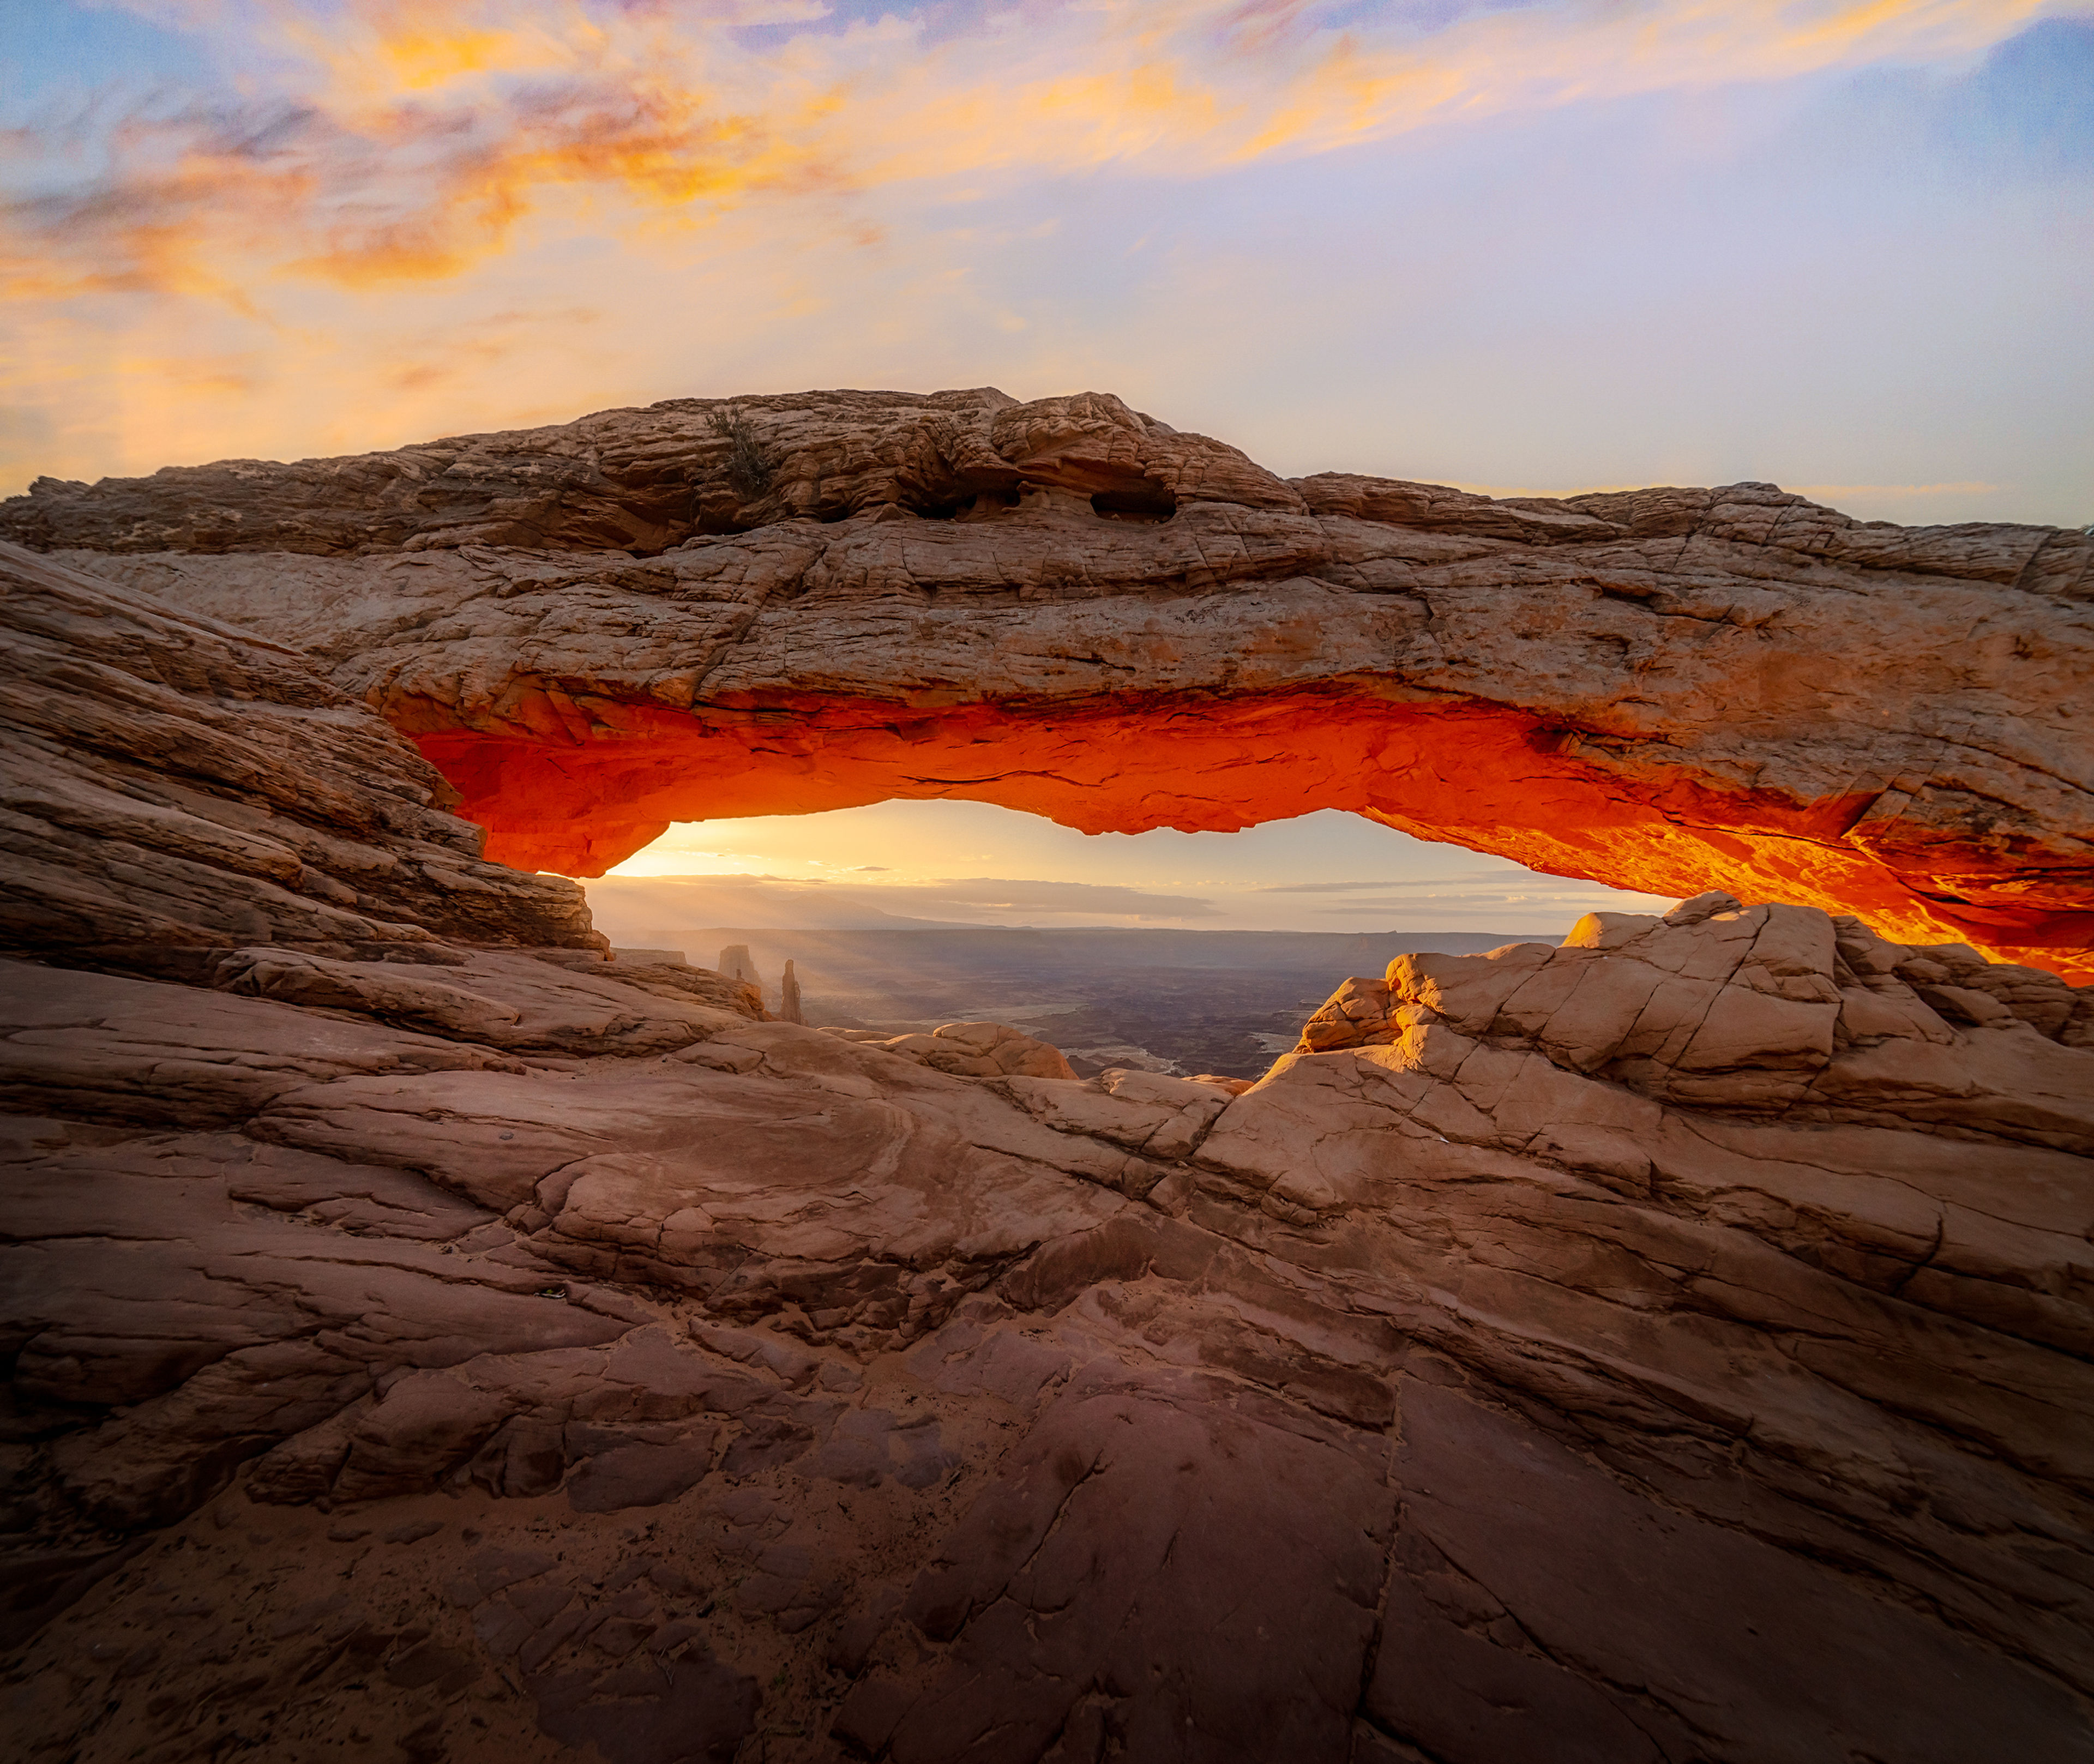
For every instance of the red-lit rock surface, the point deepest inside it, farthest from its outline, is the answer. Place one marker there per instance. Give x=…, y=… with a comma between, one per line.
x=439, y=1341
x=1069, y=607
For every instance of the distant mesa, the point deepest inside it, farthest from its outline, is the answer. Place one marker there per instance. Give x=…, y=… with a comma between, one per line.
x=737, y=964
x=1069, y=607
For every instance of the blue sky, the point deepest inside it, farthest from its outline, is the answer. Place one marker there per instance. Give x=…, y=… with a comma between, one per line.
x=1847, y=247
x=1571, y=251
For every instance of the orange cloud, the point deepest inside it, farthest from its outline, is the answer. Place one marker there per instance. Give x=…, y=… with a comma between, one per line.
x=333, y=223
x=404, y=142
x=409, y=139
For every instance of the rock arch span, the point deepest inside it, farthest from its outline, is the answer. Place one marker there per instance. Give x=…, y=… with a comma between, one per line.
x=1069, y=607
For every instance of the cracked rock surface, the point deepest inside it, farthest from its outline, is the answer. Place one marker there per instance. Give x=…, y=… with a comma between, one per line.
x=432, y=1338
x=1068, y=606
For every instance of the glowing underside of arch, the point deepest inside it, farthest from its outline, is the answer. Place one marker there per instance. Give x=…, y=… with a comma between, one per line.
x=581, y=798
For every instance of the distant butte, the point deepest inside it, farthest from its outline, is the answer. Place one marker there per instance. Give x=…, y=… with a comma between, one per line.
x=783, y=603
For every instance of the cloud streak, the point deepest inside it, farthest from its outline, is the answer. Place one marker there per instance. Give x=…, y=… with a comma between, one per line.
x=624, y=902
x=381, y=141
x=635, y=909
x=1480, y=878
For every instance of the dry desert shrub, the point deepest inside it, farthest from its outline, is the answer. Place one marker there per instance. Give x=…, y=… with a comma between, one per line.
x=748, y=470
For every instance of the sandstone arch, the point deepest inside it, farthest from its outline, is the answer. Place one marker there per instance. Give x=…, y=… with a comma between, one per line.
x=1069, y=607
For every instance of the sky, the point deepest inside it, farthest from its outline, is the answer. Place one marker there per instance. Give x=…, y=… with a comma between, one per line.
x=1843, y=246
x=961, y=863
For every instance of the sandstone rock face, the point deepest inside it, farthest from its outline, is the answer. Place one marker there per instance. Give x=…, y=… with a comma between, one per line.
x=1068, y=606
x=970, y=1050
x=1436, y=1396
x=1672, y=1346
x=1778, y=1011
x=169, y=783
x=640, y=480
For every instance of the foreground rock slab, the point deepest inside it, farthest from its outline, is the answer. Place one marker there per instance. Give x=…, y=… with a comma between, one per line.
x=1071, y=607
x=1434, y=1393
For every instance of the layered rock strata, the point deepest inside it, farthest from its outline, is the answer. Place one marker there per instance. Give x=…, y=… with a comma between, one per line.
x=1069, y=607
x=970, y=1050
x=168, y=784
x=1671, y=1346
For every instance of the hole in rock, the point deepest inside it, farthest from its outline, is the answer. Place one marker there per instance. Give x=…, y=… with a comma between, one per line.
x=977, y=505
x=577, y=786
x=1199, y=952
x=989, y=505
x=1149, y=503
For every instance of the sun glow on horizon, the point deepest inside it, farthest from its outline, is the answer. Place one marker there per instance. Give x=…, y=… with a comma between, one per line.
x=974, y=862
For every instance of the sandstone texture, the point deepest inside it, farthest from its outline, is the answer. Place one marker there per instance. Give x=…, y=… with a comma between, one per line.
x=805, y=601
x=970, y=1050
x=168, y=784
x=433, y=1337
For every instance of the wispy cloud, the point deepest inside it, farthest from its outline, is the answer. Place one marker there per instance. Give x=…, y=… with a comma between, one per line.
x=991, y=894
x=312, y=226
x=636, y=908
x=1485, y=878
x=1524, y=905
x=382, y=140
x=1472, y=890
x=626, y=905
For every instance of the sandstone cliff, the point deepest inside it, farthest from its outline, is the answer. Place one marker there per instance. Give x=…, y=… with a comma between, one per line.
x=432, y=1338
x=1067, y=606
x=172, y=783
